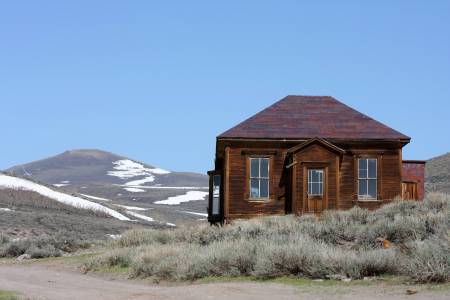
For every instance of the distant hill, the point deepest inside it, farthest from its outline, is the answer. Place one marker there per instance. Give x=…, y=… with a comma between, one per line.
x=171, y=197
x=86, y=166
x=437, y=174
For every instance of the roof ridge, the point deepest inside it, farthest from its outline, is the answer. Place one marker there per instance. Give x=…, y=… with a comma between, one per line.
x=310, y=96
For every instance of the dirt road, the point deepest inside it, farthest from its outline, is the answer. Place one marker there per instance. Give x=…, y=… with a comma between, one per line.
x=55, y=283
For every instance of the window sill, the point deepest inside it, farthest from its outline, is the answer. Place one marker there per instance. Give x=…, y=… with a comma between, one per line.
x=259, y=200
x=370, y=200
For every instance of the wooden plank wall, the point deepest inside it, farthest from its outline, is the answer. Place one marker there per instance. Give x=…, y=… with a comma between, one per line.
x=239, y=205
x=316, y=154
x=389, y=178
x=236, y=193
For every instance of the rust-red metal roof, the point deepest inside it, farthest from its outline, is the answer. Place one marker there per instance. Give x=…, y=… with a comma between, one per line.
x=303, y=117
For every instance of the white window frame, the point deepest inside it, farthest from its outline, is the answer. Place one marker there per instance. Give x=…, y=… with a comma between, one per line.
x=367, y=179
x=259, y=178
x=320, y=182
x=215, y=204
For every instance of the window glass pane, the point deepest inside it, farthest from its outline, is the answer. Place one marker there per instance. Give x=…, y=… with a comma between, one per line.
x=372, y=168
x=216, y=195
x=264, y=168
x=216, y=181
x=315, y=189
x=254, y=188
x=216, y=185
x=372, y=188
x=315, y=182
x=362, y=168
x=362, y=188
x=264, y=188
x=215, y=206
x=315, y=176
x=254, y=167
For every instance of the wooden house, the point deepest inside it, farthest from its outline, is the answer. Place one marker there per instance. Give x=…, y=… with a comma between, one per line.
x=306, y=154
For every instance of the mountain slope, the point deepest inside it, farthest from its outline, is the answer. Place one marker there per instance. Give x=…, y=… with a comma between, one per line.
x=29, y=209
x=20, y=184
x=172, y=197
x=437, y=174
x=100, y=167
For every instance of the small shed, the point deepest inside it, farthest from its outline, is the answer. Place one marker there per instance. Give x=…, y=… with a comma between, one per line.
x=413, y=174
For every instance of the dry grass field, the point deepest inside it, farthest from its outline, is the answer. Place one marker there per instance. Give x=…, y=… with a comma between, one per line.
x=405, y=238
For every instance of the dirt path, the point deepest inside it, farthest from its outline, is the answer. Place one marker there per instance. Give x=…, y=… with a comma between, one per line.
x=55, y=283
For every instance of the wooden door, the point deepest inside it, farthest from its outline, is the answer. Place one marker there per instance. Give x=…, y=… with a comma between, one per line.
x=315, y=183
x=409, y=190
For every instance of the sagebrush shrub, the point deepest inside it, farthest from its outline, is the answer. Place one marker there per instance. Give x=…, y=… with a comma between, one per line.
x=43, y=251
x=3, y=239
x=40, y=247
x=339, y=243
x=430, y=261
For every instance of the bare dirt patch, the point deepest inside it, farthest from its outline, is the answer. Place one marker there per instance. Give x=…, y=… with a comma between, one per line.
x=50, y=280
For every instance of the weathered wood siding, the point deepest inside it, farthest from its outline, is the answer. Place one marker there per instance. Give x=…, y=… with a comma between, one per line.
x=316, y=156
x=388, y=183
x=239, y=203
x=341, y=183
x=347, y=179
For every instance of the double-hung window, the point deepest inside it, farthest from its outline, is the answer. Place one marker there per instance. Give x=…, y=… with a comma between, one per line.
x=367, y=178
x=315, y=182
x=259, y=178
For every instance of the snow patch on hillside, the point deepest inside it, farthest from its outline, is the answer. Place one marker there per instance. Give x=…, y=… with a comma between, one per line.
x=9, y=182
x=146, y=218
x=132, y=207
x=95, y=198
x=128, y=169
x=194, y=213
x=140, y=216
x=158, y=187
x=140, y=181
x=189, y=196
x=134, y=190
x=62, y=183
x=114, y=236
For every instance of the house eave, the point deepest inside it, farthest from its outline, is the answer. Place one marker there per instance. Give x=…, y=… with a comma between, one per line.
x=403, y=141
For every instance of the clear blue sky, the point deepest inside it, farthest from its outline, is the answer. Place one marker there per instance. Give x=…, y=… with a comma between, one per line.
x=157, y=81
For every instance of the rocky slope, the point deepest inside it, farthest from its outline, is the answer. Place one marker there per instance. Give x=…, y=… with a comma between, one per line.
x=437, y=174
